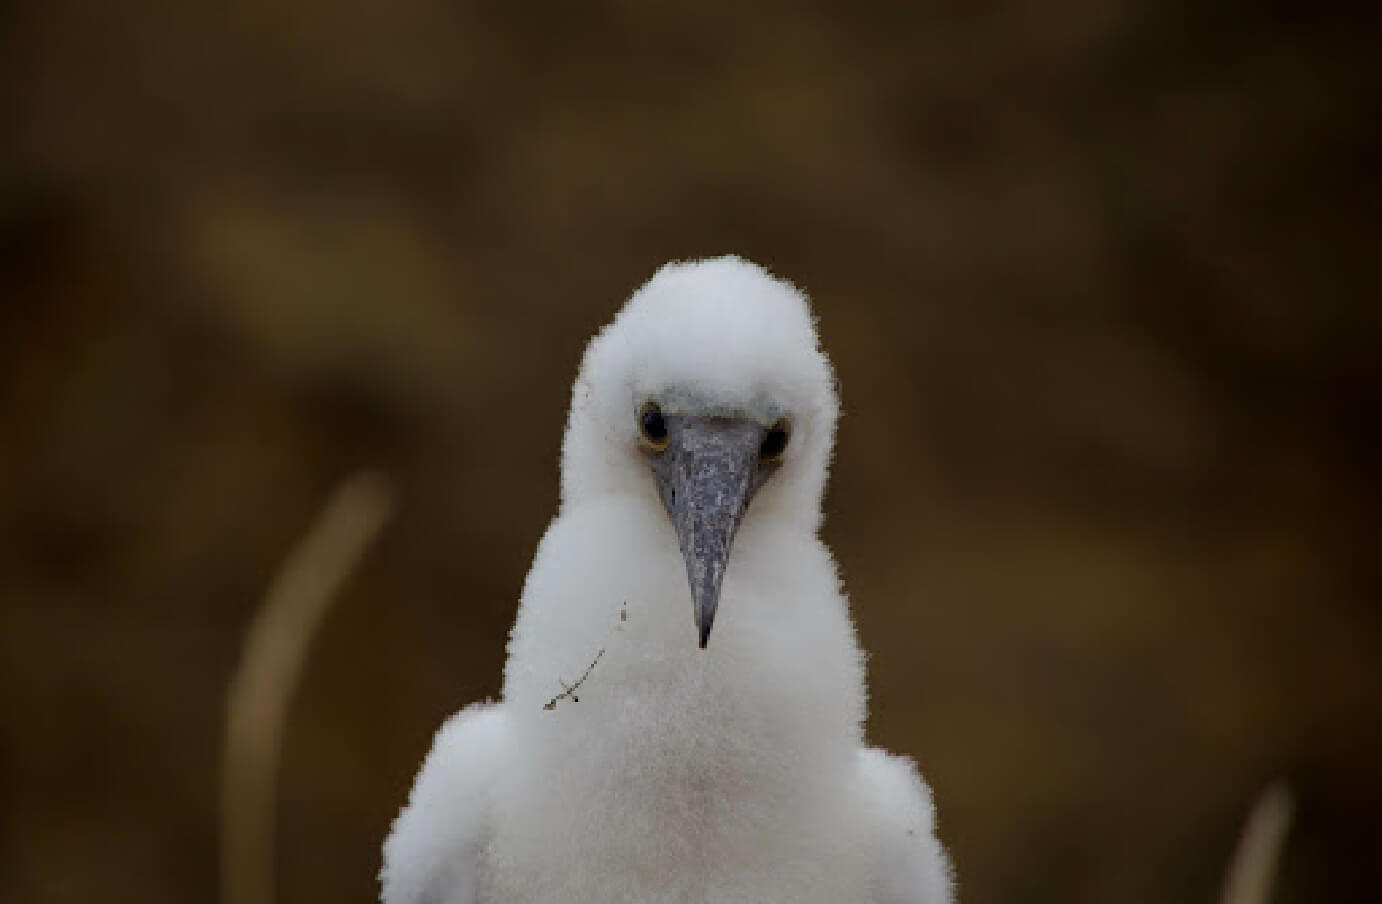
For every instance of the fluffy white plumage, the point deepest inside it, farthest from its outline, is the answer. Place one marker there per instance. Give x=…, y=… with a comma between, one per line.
x=735, y=773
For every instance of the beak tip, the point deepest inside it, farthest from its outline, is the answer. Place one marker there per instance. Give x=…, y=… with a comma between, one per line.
x=705, y=635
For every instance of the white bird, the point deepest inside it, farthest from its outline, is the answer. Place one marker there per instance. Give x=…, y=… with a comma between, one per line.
x=631, y=760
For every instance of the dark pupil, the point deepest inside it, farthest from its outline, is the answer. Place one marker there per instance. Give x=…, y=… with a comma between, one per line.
x=773, y=443
x=654, y=427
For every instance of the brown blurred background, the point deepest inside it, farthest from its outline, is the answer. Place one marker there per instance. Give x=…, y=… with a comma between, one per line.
x=1099, y=280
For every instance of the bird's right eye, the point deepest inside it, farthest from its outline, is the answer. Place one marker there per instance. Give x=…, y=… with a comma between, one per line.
x=653, y=426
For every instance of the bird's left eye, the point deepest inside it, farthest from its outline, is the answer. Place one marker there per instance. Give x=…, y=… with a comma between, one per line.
x=653, y=426
x=774, y=443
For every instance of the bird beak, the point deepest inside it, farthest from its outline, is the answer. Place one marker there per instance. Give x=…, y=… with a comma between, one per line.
x=707, y=475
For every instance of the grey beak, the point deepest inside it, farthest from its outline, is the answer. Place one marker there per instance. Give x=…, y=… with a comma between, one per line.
x=707, y=475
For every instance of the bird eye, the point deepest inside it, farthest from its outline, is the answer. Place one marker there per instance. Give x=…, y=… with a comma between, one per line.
x=653, y=427
x=774, y=443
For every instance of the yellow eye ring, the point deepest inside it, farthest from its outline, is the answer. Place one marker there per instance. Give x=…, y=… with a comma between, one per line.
x=652, y=427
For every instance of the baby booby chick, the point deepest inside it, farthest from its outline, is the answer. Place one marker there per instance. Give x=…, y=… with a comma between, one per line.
x=637, y=755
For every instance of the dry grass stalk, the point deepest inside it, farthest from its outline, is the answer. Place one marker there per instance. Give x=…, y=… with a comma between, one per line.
x=1253, y=867
x=276, y=646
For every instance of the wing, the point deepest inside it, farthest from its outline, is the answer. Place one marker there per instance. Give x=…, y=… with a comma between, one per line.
x=912, y=866
x=430, y=855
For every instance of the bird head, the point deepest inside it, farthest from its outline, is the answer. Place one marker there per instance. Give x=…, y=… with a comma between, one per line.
x=707, y=392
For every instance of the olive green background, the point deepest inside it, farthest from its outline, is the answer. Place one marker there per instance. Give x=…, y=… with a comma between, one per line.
x=1099, y=280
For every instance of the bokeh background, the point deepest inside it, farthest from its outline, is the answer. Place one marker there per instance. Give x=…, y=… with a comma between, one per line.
x=1100, y=280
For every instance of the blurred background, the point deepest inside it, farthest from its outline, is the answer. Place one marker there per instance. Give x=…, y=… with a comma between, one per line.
x=1100, y=281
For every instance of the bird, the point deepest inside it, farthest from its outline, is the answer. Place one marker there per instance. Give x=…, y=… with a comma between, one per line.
x=634, y=756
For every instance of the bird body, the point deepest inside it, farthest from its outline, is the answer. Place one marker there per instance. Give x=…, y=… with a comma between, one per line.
x=625, y=762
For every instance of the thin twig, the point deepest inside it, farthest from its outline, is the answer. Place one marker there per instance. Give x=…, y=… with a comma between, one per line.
x=276, y=646
x=569, y=692
x=1250, y=872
